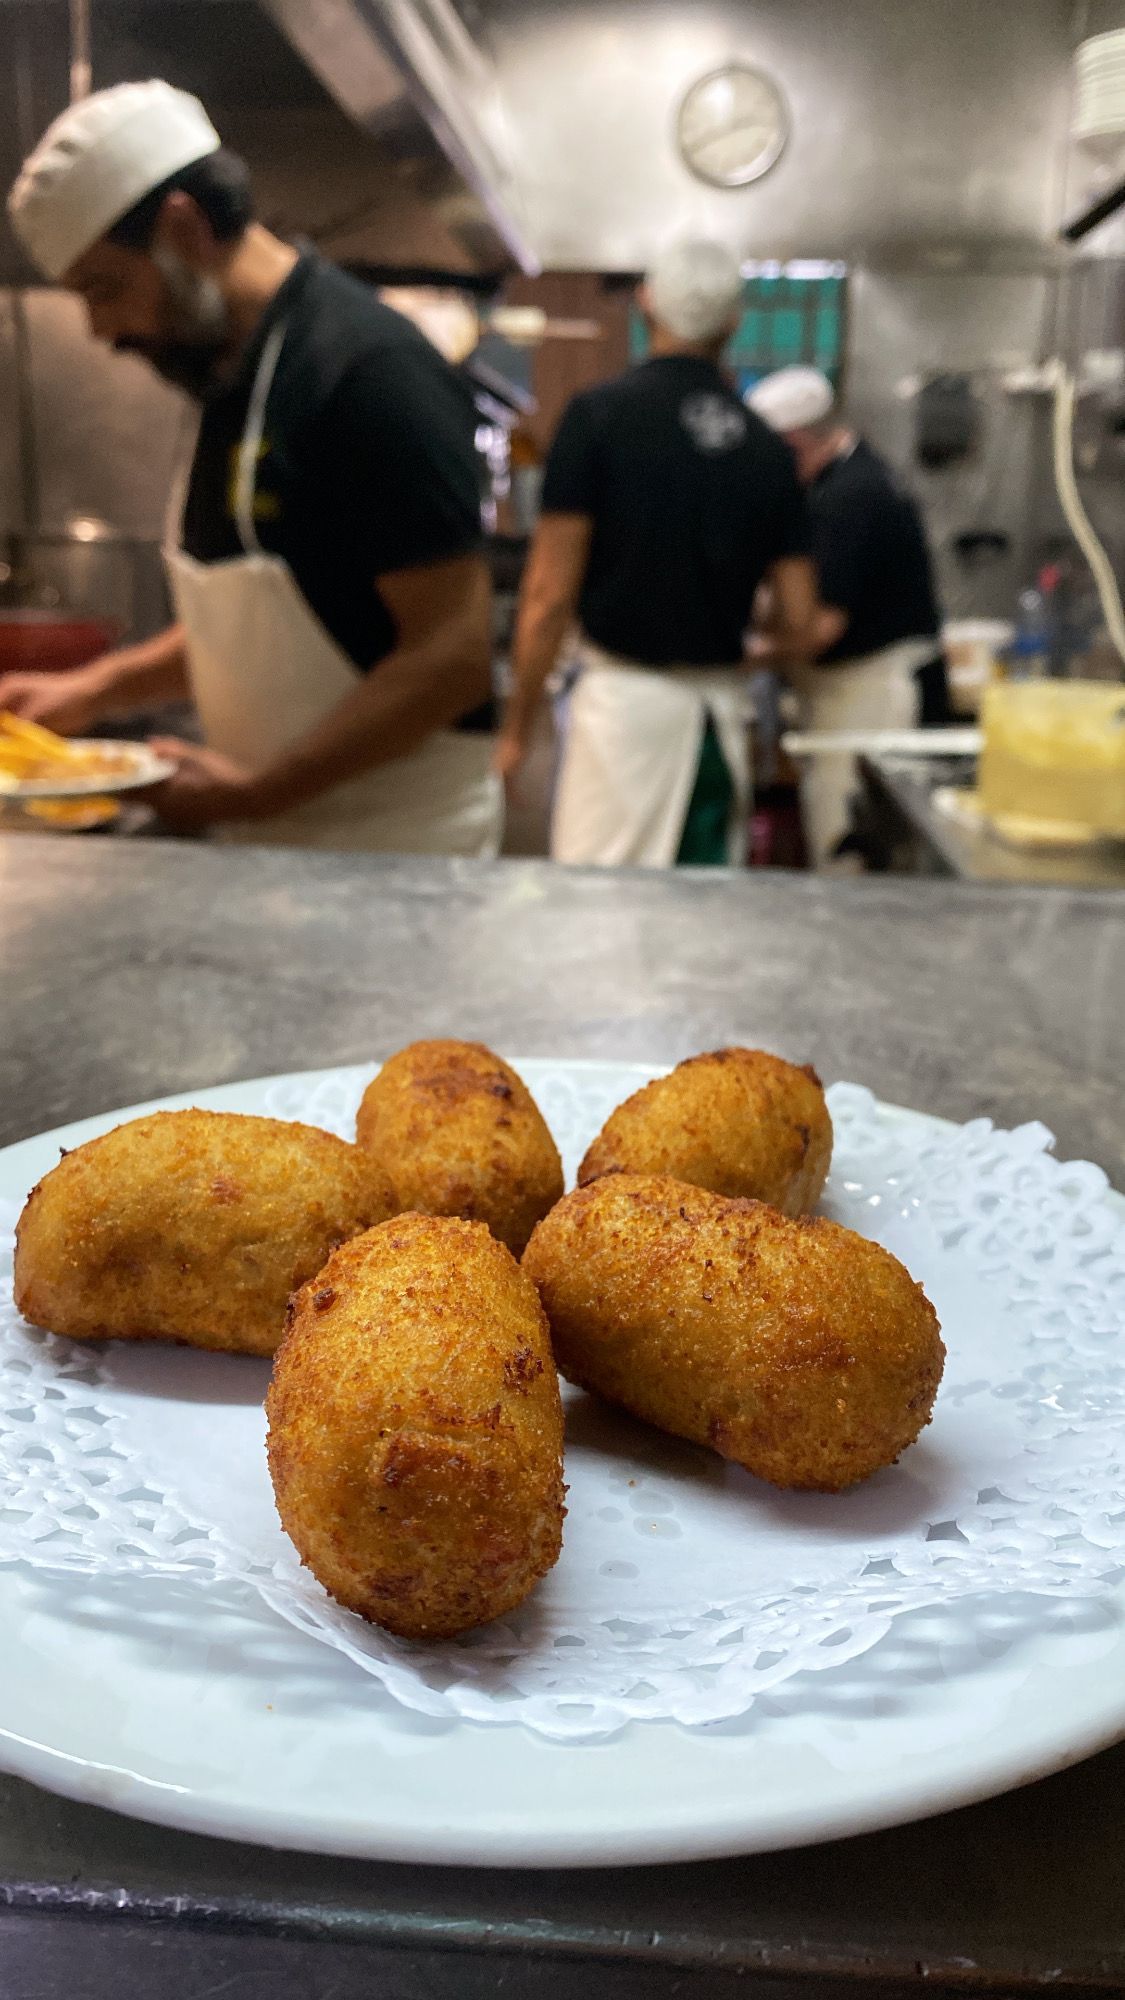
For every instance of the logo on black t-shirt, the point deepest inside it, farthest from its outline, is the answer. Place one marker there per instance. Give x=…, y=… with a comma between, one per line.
x=713, y=424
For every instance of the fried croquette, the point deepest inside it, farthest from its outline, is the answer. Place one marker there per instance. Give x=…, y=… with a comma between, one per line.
x=192, y=1226
x=415, y=1439
x=460, y=1134
x=797, y=1348
x=738, y=1122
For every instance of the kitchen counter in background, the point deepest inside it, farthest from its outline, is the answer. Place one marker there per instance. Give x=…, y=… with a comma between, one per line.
x=900, y=801
x=130, y=969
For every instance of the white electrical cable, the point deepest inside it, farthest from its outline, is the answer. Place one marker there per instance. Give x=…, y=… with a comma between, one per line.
x=1077, y=519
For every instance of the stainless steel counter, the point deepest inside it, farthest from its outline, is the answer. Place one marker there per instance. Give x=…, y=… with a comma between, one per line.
x=902, y=792
x=129, y=969
x=133, y=968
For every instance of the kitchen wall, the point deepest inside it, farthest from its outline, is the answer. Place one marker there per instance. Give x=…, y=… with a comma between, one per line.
x=907, y=323
x=106, y=438
x=562, y=366
x=108, y=451
x=928, y=150
x=914, y=124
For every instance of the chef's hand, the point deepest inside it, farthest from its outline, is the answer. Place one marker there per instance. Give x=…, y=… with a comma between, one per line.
x=762, y=649
x=507, y=762
x=67, y=702
x=509, y=754
x=205, y=789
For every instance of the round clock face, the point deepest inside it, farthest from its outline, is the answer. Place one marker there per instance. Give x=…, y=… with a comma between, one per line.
x=732, y=125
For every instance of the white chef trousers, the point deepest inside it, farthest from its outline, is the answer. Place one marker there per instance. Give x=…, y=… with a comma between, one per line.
x=876, y=692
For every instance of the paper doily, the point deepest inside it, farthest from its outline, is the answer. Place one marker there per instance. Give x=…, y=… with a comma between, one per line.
x=686, y=1588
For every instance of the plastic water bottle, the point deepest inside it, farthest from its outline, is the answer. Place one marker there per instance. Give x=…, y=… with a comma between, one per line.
x=1029, y=652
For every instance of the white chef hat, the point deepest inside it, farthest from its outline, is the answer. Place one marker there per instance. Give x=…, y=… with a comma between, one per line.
x=694, y=289
x=98, y=160
x=792, y=398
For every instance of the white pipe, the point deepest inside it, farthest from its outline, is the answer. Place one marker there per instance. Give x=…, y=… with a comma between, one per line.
x=1077, y=519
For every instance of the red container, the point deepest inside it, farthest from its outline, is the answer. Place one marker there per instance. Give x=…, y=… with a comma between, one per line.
x=50, y=641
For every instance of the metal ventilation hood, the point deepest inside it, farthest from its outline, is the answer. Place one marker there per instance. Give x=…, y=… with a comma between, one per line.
x=409, y=73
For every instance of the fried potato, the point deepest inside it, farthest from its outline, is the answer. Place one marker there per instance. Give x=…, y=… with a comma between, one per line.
x=460, y=1134
x=796, y=1348
x=192, y=1226
x=738, y=1121
x=415, y=1439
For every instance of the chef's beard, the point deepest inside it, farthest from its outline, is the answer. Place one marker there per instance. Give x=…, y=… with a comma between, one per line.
x=195, y=355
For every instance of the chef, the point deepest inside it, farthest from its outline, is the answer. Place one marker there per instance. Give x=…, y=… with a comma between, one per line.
x=877, y=628
x=665, y=505
x=332, y=604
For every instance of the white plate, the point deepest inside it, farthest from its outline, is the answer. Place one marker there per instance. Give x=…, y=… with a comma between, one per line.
x=196, y=1707
x=144, y=768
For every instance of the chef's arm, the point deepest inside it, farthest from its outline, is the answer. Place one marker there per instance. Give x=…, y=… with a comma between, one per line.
x=117, y=684
x=784, y=635
x=831, y=624
x=439, y=670
x=549, y=597
x=796, y=612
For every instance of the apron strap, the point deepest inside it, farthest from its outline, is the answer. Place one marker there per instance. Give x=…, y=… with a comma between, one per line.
x=251, y=444
x=181, y=479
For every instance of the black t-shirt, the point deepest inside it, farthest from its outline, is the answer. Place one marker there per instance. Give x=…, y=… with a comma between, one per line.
x=692, y=499
x=367, y=466
x=871, y=555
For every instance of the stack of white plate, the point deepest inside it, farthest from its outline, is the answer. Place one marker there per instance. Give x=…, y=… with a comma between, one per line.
x=1099, y=100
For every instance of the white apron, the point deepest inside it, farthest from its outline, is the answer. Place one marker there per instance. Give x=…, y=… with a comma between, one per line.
x=630, y=757
x=264, y=672
x=876, y=692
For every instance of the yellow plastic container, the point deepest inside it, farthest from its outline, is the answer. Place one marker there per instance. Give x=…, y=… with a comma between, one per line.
x=1055, y=751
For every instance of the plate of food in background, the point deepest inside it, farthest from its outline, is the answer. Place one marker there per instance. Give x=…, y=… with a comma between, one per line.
x=83, y=815
x=36, y=765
